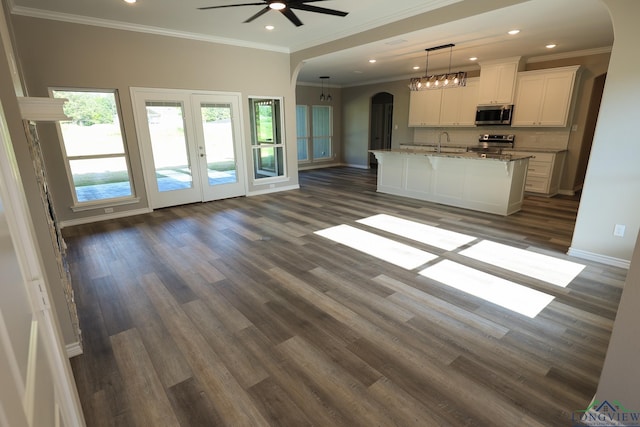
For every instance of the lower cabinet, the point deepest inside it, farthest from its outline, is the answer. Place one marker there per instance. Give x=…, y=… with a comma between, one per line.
x=544, y=172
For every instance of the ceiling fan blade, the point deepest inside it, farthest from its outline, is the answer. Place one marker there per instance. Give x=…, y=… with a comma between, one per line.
x=317, y=9
x=257, y=15
x=291, y=16
x=231, y=5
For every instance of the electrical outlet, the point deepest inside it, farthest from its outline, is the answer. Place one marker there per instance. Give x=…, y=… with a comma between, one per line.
x=618, y=230
x=108, y=210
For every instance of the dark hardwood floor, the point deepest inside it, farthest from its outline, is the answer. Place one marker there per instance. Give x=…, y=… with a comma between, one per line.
x=234, y=313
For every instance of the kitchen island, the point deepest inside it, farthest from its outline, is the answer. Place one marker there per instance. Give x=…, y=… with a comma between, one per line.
x=487, y=183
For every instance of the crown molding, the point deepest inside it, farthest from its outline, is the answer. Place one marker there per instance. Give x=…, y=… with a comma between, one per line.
x=118, y=25
x=565, y=55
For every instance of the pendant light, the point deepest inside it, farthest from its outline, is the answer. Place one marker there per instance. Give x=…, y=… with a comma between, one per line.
x=438, y=81
x=326, y=97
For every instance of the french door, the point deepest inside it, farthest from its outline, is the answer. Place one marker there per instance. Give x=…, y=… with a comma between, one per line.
x=191, y=145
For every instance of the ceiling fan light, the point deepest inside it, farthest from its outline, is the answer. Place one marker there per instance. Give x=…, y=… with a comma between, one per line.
x=277, y=5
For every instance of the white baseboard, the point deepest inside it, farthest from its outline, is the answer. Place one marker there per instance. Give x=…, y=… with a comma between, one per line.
x=103, y=217
x=350, y=165
x=318, y=166
x=603, y=259
x=272, y=190
x=74, y=349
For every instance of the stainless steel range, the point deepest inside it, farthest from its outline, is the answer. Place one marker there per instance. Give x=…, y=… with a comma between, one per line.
x=493, y=144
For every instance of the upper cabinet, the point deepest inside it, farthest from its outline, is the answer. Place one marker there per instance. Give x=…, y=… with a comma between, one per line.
x=543, y=97
x=458, y=106
x=498, y=81
x=439, y=107
x=424, y=107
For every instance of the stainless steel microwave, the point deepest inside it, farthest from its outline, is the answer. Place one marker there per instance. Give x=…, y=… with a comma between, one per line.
x=494, y=115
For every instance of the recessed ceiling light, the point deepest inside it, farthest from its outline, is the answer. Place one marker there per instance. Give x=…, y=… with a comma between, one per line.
x=130, y=1
x=416, y=68
x=372, y=61
x=550, y=46
x=513, y=32
x=473, y=58
x=269, y=27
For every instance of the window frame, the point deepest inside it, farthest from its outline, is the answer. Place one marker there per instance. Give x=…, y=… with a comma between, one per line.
x=78, y=206
x=279, y=136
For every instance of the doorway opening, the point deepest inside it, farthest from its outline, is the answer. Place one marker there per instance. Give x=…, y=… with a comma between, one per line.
x=381, y=124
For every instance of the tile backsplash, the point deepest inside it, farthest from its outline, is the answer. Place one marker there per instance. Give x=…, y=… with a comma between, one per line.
x=525, y=137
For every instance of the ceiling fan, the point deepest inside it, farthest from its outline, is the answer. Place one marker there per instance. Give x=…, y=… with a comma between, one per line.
x=285, y=7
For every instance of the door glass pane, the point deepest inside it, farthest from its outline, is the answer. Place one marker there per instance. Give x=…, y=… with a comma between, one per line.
x=169, y=145
x=218, y=143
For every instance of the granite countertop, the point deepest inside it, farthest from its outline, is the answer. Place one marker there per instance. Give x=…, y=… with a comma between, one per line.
x=537, y=149
x=465, y=155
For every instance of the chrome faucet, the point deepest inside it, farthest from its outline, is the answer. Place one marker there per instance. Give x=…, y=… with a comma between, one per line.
x=440, y=139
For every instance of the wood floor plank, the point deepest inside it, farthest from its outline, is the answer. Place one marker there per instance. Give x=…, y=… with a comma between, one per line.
x=143, y=387
x=235, y=313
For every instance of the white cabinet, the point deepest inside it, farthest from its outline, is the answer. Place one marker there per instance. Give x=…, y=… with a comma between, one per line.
x=444, y=107
x=458, y=107
x=498, y=81
x=543, y=97
x=424, y=107
x=544, y=171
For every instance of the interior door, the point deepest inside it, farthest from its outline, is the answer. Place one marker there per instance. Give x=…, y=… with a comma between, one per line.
x=191, y=145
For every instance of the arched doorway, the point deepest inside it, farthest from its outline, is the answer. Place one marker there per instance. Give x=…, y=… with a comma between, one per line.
x=381, y=124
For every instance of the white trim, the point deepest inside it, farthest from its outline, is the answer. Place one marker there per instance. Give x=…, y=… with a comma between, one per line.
x=317, y=166
x=351, y=165
x=567, y=192
x=565, y=55
x=74, y=349
x=118, y=25
x=603, y=259
x=42, y=109
x=96, y=218
x=106, y=203
x=273, y=190
x=23, y=236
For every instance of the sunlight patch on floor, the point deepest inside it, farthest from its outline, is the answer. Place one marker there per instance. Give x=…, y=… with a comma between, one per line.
x=552, y=270
x=504, y=293
x=380, y=247
x=423, y=233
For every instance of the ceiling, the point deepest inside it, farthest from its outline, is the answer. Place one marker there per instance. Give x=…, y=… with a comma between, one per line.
x=573, y=25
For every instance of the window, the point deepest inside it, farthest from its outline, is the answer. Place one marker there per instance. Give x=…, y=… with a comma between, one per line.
x=302, y=132
x=315, y=141
x=266, y=138
x=321, y=132
x=93, y=147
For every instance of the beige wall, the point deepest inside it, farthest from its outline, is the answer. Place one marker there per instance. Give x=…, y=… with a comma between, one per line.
x=612, y=195
x=611, y=192
x=356, y=120
x=59, y=54
x=309, y=95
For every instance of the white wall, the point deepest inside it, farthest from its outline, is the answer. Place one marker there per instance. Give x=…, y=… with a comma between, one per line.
x=612, y=184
